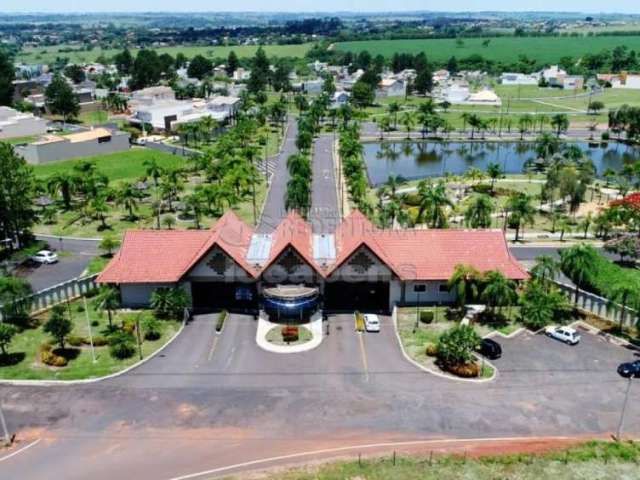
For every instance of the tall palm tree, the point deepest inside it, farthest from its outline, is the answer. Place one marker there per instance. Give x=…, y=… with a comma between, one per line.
x=577, y=263
x=64, y=183
x=465, y=280
x=432, y=201
x=408, y=122
x=153, y=170
x=479, y=211
x=127, y=197
x=394, y=108
x=393, y=183
x=624, y=294
x=108, y=300
x=495, y=172
x=521, y=211
x=195, y=204
x=560, y=122
x=545, y=269
x=498, y=290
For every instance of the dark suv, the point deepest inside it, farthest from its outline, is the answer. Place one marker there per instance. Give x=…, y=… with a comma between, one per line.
x=490, y=349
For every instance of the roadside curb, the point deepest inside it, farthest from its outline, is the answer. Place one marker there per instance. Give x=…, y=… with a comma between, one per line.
x=264, y=326
x=440, y=374
x=621, y=342
x=52, y=383
x=58, y=237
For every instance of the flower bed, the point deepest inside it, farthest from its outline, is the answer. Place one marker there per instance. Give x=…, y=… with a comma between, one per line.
x=289, y=335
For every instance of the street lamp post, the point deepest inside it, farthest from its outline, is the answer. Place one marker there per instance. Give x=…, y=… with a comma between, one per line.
x=618, y=436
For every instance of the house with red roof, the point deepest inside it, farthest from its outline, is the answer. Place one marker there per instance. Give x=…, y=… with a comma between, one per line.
x=358, y=267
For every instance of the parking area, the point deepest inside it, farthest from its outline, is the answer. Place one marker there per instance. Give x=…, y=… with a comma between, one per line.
x=535, y=357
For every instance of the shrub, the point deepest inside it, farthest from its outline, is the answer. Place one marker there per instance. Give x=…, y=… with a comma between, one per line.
x=482, y=188
x=75, y=340
x=464, y=370
x=411, y=199
x=129, y=325
x=49, y=358
x=169, y=302
x=222, y=317
x=605, y=136
x=456, y=345
x=426, y=317
x=98, y=341
x=290, y=334
x=431, y=350
x=152, y=328
x=122, y=345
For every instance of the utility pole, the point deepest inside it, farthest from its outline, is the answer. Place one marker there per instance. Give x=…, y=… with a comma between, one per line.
x=3, y=424
x=138, y=336
x=86, y=314
x=618, y=436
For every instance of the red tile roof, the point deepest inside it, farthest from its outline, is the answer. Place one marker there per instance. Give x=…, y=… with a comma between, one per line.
x=156, y=256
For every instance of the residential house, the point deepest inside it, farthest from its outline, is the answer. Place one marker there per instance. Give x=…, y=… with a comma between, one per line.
x=519, y=79
x=51, y=148
x=621, y=80
x=15, y=124
x=391, y=87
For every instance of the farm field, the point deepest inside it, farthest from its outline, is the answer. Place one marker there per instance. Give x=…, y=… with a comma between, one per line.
x=503, y=49
x=49, y=54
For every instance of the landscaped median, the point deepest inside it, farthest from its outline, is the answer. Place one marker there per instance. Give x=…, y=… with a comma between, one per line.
x=422, y=332
x=56, y=345
x=289, y=338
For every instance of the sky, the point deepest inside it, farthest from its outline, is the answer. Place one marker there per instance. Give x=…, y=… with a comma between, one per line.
x=65, y=6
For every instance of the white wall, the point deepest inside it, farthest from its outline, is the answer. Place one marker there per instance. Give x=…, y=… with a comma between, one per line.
x=432, y=293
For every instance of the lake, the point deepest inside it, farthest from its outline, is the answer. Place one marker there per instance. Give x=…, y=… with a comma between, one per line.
x=413, y=160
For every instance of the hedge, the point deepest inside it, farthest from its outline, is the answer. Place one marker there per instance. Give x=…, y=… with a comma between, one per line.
x=222, y=317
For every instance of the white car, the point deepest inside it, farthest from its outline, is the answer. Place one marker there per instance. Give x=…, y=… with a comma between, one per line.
x=567, y=335
x=371, y=322
x=45, y=257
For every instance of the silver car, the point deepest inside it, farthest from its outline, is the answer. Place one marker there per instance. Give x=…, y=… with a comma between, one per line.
x=45, y=257
x=567, y=335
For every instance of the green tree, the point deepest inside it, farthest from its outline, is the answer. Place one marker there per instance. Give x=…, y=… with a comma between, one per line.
x=466, y=281
x=124, y=62
x=260, y=73
x=127, y=196
x=498, y=291
x=199, y=67
x=545, y=269
x=362, y=94
x=232, y=63
x=108, y=300
x=17, y=191
x=541, y=305
x=61, y=99
x=521, y=211
x=146, y=70
x=108, y=244
x=58, y=325
x=7, y=332
x=478, y=213
x=432, y=203
x=624, y=294
x=14, y=303
x=494, y=171
x=456, y=345
x=7, y=75
x=577, y=263
x=560, y=122
x=169, y=302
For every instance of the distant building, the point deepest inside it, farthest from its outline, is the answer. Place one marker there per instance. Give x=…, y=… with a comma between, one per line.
x=312, y=86
x=456, y=93
x=339, y=99
x=554, y=76
x=17, y=124
x=573, y=82
x=241, y=74
x=52, y=148
x=151, y=95
x=391, y=87
x=519, y=79
x=484, y=97
x=621, y=80
x=440, y=76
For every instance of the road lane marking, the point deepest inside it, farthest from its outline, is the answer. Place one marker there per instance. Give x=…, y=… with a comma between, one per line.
x=361, y=447
x=213, y=347
x=32, y=444
x=363, y=354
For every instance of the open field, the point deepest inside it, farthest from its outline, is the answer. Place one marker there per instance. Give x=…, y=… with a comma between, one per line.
x=503, y=49
x=25, y=347
x=593, y=460
x=117, y=166
x=49, y=54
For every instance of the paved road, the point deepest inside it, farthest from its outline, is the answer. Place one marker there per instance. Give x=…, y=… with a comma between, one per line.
x=214, y=400
x=74, y=257
x=274, y=208
x=325, y=213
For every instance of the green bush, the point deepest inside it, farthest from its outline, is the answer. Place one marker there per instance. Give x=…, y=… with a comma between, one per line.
x=49, y=358
x=456, y=345
x=431, y=350
x=98, y=341
x=122, y=345
x=411, y=199
x=152, y=328
x=75, y=340
x=426, y=317
x=222, y=317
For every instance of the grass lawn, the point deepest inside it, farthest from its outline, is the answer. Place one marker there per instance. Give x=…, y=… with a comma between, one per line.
x=25, y=346
x=117, y=166
x=19, y=140
x=93, y=118
x=590, y=461
x=49, y=54
x=504, y=49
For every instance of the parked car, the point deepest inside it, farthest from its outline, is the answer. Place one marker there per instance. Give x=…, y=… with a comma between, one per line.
x=630, y=369
x=45, y=257
x=490, y=349
x=371, y=322
x=567, y=335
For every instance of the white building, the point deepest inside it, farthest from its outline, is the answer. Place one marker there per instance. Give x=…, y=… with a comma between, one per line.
x=519, y=79
x=391, y=87
x=241, y=74
x=440, y=76
x=15, y=124
x=621, y=80
x=554, y=76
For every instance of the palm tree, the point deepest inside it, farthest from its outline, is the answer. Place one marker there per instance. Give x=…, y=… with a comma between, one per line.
x=464, y=280
x=108, y=300
x=64, y=183
x=100, y=208
x=479, y=212
x=408, y=122
x=577, y=263
x=498, y=290
x=433, y=200
x=521, y=211
x=624, y=294
x=495, y=172
x=384, y=123
x=564, y=226
x=195, y=203
x=465, y=120
x=475, y=122
x=169, y=222
x=392, y=184
x=546, y=146
x=545, y=269
x=127, y=197
x=394, y=109
x=560, y=122
x=153, y=170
